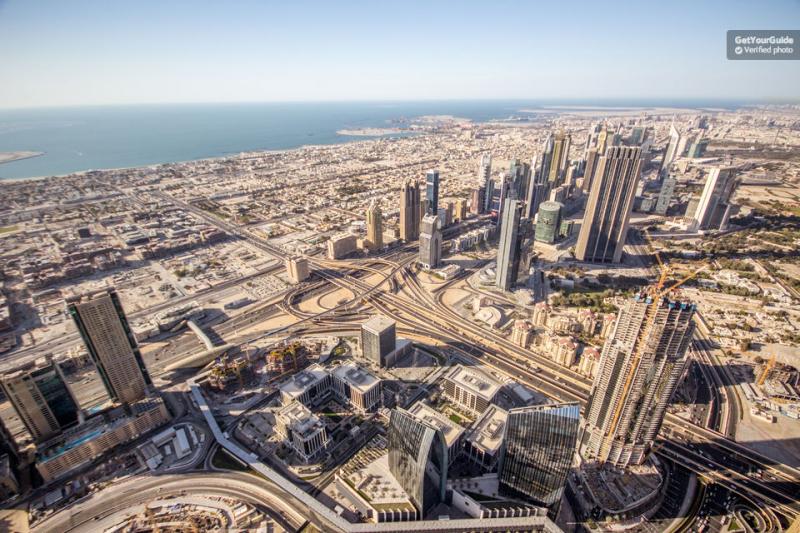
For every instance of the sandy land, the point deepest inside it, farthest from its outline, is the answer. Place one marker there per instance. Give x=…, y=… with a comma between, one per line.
x=7, y=157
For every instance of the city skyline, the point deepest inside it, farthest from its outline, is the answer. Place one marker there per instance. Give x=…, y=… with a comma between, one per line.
x=154, y=53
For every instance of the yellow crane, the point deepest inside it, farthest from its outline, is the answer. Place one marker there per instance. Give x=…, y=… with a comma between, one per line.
x=767, y=369
x=659, y=292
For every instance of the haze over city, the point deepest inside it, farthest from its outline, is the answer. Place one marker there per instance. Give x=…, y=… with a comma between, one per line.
x=399, y=267
x=91, y=53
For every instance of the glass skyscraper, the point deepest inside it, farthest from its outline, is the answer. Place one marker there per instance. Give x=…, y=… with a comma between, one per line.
x=508, y=250
x=418, y=459
x=432, y=192
x=109, y=340
x=539, y=445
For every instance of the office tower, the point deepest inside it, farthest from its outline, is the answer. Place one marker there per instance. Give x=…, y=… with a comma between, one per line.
x=505, y=188
x=672, y=152
x=592, y=158
x=418, y=459
x=608, y=210
x=476, y=200
x=488, y=199
x=547, y=157
x=715, y=206
x=485, y=170
x=519, y=175
x=548, y=222
x=559, y=158
x=637, y=136
x=430, y=242
x=298, y=269
x=460, y=210
x=41, y=398
x=374, y=226
x=432, y=191
x=640, y=366
x=536, y=193
x=665, y=195
x=378, y=339
x=409, y=211
x=109, y=340
x=698, y=148
x=508, y=250
x=538, y=448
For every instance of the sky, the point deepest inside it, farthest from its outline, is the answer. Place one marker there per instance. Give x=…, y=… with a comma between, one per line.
x=85, y=52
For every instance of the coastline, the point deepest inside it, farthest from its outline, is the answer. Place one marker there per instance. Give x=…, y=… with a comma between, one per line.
x=9, y=157
x=354, y=139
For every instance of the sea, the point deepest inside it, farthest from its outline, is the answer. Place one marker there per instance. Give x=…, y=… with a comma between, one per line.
x=74, y=139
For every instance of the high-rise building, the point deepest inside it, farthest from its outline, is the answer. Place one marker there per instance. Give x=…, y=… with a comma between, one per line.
x=41, y=398
x=715, y=206
x=665, y=195
x=432, y=192
x=559, y=158
x=430, y=242
x=546, y=161
x=485, y=170
x=672, y=151
x=409, y=211
x=608, y=210
x=298, y=269
x=488, y=198
x=536, y=192
x=538, y=449
x=374, y=226
x=640, y=366
x=109, y=340
x=548, y=222
x=508, y=249
x=698, y=147
x=418, y=459
x=460, y=210
x=378, y=339
x=505, y=189
x=476, y=200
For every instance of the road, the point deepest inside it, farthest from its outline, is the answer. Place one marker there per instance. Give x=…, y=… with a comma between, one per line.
x=120, y=496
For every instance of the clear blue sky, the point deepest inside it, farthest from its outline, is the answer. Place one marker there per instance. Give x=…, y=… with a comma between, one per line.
x=65, y=52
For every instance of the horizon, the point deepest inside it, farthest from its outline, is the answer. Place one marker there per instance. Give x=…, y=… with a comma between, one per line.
x=85, y=53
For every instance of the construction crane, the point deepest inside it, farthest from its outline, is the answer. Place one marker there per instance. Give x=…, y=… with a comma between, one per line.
x=767, y=369
x=659, y=292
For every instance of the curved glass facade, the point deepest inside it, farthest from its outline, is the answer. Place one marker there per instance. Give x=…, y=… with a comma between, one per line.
x=417, y=459
x=539, y=446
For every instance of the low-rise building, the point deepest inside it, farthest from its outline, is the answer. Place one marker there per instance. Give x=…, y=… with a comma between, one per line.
x=483, y=442
x=470, y=388
x=342, y=245
x=308, y=386
x=358, y=386
x=302, y=430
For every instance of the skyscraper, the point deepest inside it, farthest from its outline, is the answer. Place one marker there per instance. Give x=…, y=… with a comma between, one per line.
x=418, y=459
x=378, y=339
x=409, y=211
x=548, y=222
x=608, y=210
x=109, y=340
x=374, y=226
x=672, y=150
x=505, y=189
x=432, y=191
x=639, y=369
x=538, y=449
x=488, y=199
x=665, y=195
x=41, y=398
x=536, y=192
x=559, y=158
x=508, y=249
x=476, y=200
x=430, y=242
x=485, y=170
x=715, y=206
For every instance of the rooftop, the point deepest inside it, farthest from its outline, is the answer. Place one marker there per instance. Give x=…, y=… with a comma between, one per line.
x=303, y=380
x=450, y=429
x=357, y=377
x=474, y=380
x=302, y=421
x=487, y=433
x=378, y=323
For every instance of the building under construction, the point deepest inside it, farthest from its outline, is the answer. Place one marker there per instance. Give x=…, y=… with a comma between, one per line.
x=640, y=366
x=289, y=357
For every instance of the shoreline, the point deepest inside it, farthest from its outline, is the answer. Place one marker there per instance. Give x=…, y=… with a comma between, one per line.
x=18, y=155
x=247, y=153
